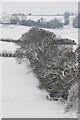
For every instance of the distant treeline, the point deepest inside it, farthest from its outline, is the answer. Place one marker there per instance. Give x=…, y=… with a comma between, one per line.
x=52, y=24
x=55, y=23
x=21, y=19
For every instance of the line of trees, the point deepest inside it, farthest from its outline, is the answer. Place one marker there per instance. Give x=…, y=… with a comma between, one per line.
x=55, y=23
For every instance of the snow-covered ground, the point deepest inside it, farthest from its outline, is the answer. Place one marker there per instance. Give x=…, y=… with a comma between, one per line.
x=22, y=98
x=8, y=47
x=20, y=95
x=12, y=31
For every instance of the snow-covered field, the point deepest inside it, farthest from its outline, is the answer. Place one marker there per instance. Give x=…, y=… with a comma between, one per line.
x=8, y=32
x=15, y=32
x=8, y=47
x=12, y=31
x=20, y=95
x=22, y=98
x=67, y=32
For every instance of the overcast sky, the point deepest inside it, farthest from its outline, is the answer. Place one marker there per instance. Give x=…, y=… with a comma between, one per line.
x=39, y=8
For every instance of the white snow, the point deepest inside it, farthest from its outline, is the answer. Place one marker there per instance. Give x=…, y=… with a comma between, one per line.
x=20, y=95
x=12, y=31
x=67, y=32
x=8, y=47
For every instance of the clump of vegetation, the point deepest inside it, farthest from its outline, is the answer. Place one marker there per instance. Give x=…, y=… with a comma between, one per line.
x=52, y=64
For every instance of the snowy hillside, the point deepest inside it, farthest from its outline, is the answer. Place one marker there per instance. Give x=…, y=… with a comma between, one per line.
x=20, y=95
